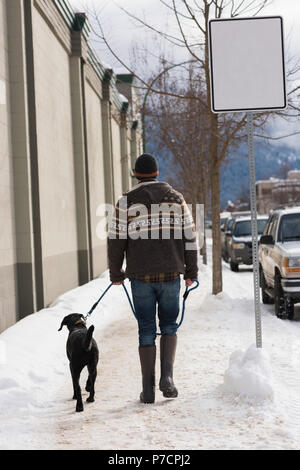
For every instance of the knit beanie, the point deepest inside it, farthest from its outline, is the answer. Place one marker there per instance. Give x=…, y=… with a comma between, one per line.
x=146, y=166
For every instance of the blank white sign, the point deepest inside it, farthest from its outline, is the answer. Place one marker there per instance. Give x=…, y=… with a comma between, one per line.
x=247, y=64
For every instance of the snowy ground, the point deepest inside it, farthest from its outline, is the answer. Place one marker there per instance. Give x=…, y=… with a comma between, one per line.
x=35, y=388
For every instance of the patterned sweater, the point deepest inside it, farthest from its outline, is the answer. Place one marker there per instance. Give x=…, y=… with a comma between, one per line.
x=153, y=229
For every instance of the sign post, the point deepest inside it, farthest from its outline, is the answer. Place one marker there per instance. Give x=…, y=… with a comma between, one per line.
x=247, y=74
x=254, y=230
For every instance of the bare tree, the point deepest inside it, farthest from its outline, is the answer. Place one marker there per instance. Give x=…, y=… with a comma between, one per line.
x=223, y=131
x=180, y=131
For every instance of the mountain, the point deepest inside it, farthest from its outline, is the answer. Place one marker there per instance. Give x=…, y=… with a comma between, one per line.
x=269, y=158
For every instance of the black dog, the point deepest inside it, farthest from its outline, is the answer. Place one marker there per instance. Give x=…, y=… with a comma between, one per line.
x=82, y=351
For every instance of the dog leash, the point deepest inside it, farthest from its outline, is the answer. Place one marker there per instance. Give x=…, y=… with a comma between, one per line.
x=185, y=296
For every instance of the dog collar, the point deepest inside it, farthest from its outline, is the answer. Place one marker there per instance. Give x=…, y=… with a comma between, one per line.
x=80, y=321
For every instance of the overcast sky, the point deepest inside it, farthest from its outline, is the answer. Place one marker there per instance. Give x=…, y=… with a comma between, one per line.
x=123, y=33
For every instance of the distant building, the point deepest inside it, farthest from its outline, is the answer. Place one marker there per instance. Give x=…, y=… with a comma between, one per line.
x=275, y=193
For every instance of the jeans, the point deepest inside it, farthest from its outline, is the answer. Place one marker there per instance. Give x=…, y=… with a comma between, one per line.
x=145, y=297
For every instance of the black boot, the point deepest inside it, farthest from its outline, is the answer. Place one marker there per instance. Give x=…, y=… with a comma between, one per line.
x=147, y=358
x=167, y=356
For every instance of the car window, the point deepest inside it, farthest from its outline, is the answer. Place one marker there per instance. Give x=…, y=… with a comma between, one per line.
x=266, y=228
x=274, y=226
x=243, y=228
x=229, y=224
x=261, y=223
x=270, y=226
x=289, y=228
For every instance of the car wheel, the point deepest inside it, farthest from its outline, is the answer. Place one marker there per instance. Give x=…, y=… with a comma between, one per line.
x=279, y=301
x=234, y=266
x=265, y=297
x=289, y=308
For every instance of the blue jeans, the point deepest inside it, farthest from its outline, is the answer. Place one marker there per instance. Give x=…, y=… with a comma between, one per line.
x=145, y=297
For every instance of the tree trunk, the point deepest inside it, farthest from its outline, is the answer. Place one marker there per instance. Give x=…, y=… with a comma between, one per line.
x=203, y=250
x=215, y=206
x=214, y=172
x=202, y=198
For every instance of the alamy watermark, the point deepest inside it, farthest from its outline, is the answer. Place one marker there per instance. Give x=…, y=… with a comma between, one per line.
x=156, y=221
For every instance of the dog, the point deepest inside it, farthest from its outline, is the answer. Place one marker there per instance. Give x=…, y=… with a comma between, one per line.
x=82, y=350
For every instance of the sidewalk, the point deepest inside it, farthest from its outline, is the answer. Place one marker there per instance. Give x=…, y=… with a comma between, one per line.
x=204, y=416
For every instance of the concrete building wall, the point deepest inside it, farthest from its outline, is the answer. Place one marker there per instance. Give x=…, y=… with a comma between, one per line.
x=7, y=246
x=56, y=162
x=117, y=163
x=96, y=175
x=61, y=154
x=128, y=159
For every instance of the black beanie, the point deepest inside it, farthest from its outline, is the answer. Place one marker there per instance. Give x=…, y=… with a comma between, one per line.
x=146, y=166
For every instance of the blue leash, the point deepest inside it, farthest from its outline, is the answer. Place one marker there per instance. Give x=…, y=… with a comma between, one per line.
x=185, y=296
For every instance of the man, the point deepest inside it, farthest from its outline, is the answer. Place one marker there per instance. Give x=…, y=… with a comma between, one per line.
x=153, y=228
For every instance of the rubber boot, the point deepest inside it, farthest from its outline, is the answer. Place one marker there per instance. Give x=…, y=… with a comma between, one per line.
x=167, y=356
x=147, y=358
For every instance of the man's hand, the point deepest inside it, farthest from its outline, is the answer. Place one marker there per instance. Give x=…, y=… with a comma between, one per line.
x=189, y=282
x=118, y=283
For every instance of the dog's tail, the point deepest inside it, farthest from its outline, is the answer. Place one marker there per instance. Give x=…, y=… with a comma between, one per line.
x=88, y=339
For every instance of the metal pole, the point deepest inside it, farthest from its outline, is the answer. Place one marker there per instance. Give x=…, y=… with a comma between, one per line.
x=254, y=230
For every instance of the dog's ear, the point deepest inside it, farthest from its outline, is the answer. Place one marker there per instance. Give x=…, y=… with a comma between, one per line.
x=62, y=324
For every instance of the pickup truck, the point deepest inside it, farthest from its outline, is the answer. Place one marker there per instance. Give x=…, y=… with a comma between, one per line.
x=279, y=261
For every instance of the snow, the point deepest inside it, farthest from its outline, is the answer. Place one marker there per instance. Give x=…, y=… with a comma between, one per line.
x=249, y=374
x=231, y=395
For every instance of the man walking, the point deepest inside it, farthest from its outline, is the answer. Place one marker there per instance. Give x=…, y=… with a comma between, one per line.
x=154, y=230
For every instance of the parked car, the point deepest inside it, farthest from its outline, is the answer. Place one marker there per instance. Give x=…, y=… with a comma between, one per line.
x=224, y=216
x=240, y=244
x=279, y=261
x=226, y=232
x=226, y=237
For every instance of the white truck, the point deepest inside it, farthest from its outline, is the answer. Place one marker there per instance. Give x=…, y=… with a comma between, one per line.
x=279, y=261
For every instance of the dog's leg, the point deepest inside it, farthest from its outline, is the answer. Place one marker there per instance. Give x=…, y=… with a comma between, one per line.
x=74, y=388
x=92, y=378
x=88, y=384
x=77, y=389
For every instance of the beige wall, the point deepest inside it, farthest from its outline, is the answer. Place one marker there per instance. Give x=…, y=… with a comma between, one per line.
x=96, y=174
x=58, y=138
x=56, y=163
x=7, y=248
x=117, y=166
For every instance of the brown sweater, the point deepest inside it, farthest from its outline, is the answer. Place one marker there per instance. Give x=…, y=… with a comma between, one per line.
x=153, y=239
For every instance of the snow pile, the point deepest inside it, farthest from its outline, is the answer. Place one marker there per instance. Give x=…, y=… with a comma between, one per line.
x=249, y=374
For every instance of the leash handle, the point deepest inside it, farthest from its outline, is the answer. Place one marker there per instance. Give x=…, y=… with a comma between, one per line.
x=188, y=290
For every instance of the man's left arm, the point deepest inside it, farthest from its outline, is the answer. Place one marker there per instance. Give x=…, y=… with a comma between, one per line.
x=190, y=244
x=117, y=244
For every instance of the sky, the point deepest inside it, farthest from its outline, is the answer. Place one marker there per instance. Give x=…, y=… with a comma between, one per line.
x=122, y=31
x=123, y=34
